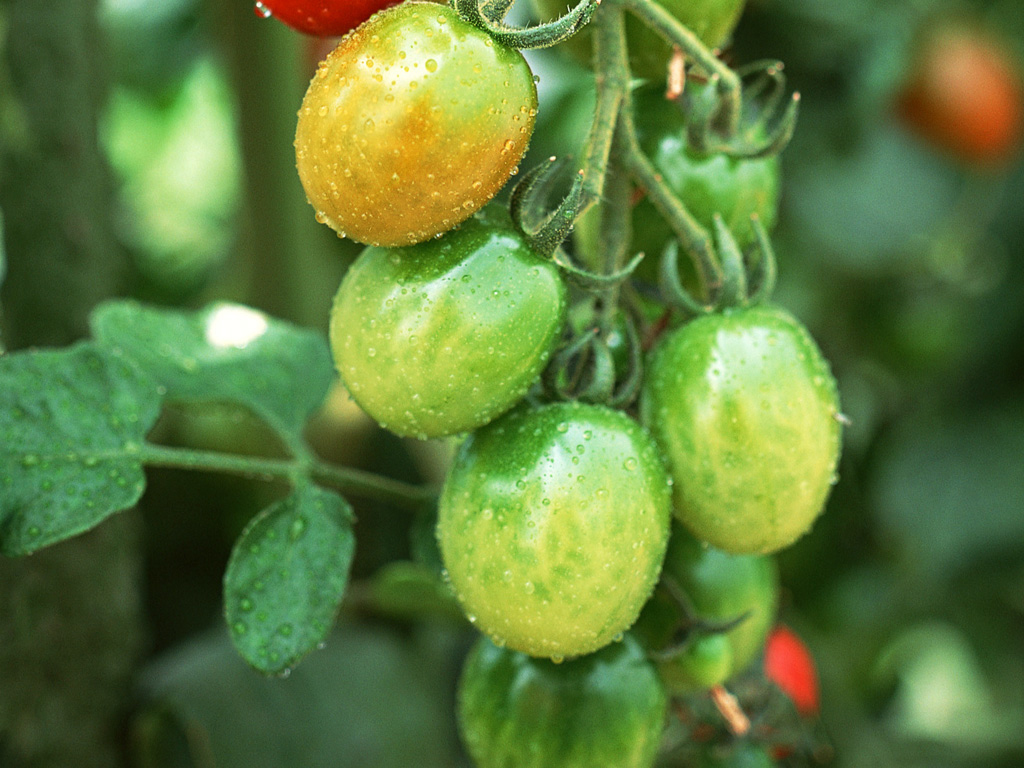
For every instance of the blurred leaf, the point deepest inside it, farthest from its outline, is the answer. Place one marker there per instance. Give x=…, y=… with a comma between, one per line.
x=942, y=693
x=3, y=255
x=73, y=422
x=286, y=577
x=225, y=352
x=876, y=207
x=410, y=590
x=367, y=700
x=949, y=488
x=151, y=42
x=180, y=165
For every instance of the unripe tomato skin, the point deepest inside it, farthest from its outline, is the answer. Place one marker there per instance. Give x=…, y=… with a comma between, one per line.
x=442, y=337
x=746, y=411
x=552, y=525
x=605, y=710
x=411, y=124
x=965, y=94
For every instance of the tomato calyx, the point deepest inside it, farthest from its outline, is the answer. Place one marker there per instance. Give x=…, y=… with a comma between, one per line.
x=600, y=362
x=691, y=629
x=767, y=116
x=745, y=278
x=488, y=16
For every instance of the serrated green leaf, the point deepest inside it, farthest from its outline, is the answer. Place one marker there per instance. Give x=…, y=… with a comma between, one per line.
x=286, y=577
x=225, y=352
x=72, y=422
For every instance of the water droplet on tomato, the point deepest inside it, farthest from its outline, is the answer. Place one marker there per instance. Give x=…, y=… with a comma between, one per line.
x=262, y=11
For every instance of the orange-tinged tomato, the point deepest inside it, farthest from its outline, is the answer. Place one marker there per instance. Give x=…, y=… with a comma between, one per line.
x=966, y=95
x=411, y=124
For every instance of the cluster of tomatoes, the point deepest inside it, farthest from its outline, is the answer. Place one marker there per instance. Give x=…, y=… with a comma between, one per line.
x=633, y=542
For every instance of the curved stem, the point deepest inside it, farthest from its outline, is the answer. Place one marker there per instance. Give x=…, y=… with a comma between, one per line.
x=693, y=237
x=653, y=15
x=355, y=481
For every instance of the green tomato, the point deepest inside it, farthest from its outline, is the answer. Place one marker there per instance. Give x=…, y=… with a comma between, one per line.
x=552, y=524
x=735, y=188
x=605, y=710
x=705, y=662
x=441, y=337
x=712, y=21
x=719, y=587
x=746, y=411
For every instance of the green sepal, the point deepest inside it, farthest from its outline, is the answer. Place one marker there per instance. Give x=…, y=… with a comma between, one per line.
x=526, y=204
x=591, y=280
x=540, y=36
x=673, y=292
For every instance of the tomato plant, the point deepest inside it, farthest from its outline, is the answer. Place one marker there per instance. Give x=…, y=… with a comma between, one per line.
x=322, y=18
x=441, y=337
x=605, y=710
x=789, y=664
x=452, y=113
x=965, y=94
x=746, y=410
x=705, y=588
x=547, y=524
x=552, y=524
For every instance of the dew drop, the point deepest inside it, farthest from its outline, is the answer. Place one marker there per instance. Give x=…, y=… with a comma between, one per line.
x=262, y=11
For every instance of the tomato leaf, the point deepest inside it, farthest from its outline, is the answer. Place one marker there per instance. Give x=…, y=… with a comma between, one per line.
x=225, y=352
x=286, y=577
x=373, y=697
x=72, y=423
x=949, y=487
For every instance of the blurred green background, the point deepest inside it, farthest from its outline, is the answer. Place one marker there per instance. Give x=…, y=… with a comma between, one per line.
x=146, y=150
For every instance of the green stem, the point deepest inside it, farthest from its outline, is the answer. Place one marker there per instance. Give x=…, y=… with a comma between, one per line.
x=694, y=238
x=612, y=84
x=365, y=484
x=653, y=15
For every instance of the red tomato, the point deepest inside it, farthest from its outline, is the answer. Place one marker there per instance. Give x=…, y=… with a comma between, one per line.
x=323, y=18
x=965, y=94
x=789, y=665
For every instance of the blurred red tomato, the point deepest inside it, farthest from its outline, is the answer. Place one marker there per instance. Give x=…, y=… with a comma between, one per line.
x=965, y=94
x=789, y=665
x=322, y=18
